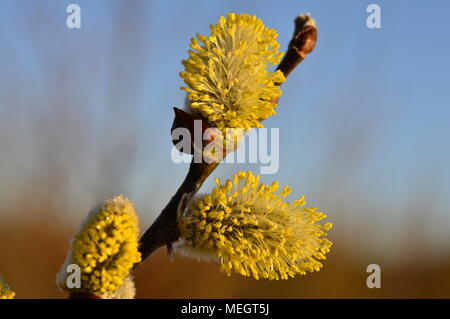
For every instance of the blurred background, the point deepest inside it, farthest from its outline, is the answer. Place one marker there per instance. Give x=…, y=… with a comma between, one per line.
x=364, y=122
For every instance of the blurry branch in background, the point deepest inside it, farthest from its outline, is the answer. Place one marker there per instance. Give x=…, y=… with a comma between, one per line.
x=164, y=231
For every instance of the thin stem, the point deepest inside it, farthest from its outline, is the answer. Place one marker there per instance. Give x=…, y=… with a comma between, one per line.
x=302, y=43
x=164, y=231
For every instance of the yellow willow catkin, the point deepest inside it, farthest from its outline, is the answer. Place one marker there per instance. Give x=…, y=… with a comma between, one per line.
x=5, y=291
x=105, y=249
x=227, y=77
x=255, y=232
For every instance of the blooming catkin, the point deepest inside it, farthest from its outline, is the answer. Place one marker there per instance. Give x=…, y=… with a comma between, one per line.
x=5, y=291
x=227, y=77
x=253, y=231
x=105, y=249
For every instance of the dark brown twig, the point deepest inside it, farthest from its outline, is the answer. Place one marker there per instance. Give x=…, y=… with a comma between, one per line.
x=302, y=43
x=164, y=230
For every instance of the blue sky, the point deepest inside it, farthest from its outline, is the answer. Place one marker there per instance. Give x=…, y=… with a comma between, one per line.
x=364, y=122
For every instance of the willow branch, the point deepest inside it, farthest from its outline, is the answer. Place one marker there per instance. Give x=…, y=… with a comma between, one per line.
x=302, y=43
x=164, y=231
